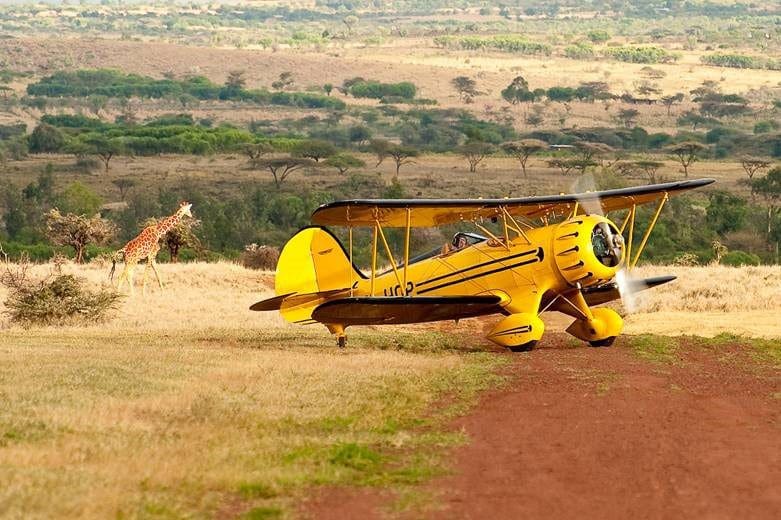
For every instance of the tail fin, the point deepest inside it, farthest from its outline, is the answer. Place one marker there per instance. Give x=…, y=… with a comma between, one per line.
x=114, y=258
x=314, y=261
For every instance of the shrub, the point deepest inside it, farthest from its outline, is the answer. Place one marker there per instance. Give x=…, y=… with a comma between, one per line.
x=598, y=36
x=738, y=61
x=640, y=54
x=738, y=258
x=579, y=51
x=259, y=257
x=58, y=299
x=377, y=90
x=507, y=43
x=764, y=127
x=46, y=139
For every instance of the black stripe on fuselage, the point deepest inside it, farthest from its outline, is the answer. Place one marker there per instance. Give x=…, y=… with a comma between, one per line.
x=540, y=256
x=476, y=266
x=516, y=330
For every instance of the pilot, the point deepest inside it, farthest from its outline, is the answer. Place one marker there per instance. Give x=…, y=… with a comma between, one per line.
x=459, y=242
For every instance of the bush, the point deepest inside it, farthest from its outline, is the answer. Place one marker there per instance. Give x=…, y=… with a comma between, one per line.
x=738, y=258
x=377, y=90
x=598, y=36
x=259, y=257
x=507, y=43
x=764, y=127
x=738, y=61
x=579, y=51
x=640, y=54
x=59, y=299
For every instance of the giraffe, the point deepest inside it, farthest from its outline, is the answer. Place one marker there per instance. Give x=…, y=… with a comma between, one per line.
x=146, y=245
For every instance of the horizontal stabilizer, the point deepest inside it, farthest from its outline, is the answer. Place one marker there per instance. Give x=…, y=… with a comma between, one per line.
x=404, y=309
x=291, y=300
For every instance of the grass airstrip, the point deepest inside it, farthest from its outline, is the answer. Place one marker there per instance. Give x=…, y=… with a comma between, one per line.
x=188, y=405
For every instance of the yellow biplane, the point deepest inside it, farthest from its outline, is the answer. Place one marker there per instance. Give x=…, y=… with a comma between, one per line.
x=549, y=253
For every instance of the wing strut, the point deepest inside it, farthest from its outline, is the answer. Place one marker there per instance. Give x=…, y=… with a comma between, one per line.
x=647, y=231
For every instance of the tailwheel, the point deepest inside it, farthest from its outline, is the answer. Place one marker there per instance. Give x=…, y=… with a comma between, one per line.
x=341, y=341
x=525, y=347
x=602, y=342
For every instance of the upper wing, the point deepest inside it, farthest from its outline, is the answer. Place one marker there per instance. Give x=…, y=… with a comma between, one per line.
x=436, y=212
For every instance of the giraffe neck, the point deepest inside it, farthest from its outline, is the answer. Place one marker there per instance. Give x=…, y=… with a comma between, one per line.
x=165, y=225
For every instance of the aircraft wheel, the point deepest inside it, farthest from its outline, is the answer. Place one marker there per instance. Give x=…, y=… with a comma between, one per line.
x=603, y=342
x=341, y=341
x=526, y=347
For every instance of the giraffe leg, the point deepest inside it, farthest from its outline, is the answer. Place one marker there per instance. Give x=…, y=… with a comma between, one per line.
x=122, y=277
x=130, y=278
x=157, y=275
x=146, y=275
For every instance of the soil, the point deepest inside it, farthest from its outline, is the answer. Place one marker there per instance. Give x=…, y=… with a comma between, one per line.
x=584, y=432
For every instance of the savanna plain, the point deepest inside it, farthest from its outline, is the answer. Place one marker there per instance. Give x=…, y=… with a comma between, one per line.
x=182, y=403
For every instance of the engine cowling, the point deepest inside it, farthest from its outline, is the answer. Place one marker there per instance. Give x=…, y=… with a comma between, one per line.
x=588, y=250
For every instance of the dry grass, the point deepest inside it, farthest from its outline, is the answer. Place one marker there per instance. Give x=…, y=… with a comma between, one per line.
x=710, y=300
x=98, y=424
x=202, y=296
x=188, y=404
x=713, y=288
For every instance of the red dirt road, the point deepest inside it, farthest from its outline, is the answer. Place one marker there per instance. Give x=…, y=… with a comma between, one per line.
x=604, y=433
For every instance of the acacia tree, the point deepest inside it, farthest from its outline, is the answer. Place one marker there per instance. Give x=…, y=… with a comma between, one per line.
x=344, y=161
x=588, y=151
x=282, y=167
x=123, y=185
x=466, y=87
x=628, y=116
x=752, y=165
x=522, y=149
x=669, y=101
x=179, y=236
x=284, y=82
x=769, y=188
x=517, y=91
x=649, y=168
x=256, y=151
x=350, y=21
x=235, y=80
x=77, y=231
x=475, y=152
x=402, y=155
x=104, y=148
x=314, y=149
x=687, y=153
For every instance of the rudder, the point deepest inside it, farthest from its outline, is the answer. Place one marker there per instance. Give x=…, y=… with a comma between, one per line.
x=314, y=261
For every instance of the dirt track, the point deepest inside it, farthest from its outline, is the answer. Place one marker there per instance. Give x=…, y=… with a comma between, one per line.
x=604, y=433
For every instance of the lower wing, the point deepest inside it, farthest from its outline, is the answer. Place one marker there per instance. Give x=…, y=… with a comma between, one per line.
x=398, y=310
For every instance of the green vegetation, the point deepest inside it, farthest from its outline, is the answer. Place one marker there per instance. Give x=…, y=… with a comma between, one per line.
x=741, y=61
x=638, y=54
x=657, y=349
x=116, y=84
x=377, y=90
x=506, y=43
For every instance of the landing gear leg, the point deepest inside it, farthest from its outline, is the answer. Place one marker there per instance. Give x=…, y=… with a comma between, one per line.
x=338, y=330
